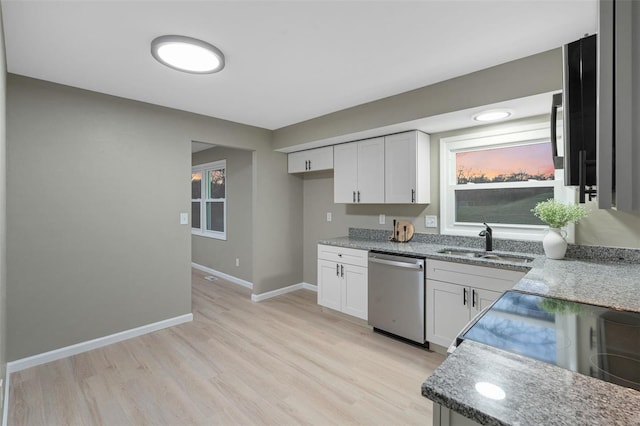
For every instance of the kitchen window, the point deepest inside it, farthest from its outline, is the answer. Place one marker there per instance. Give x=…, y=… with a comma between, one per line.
x=497, y=177
x=209, y=200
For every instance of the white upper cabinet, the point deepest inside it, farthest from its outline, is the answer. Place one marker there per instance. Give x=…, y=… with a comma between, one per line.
x=311, y=160
x=407, y=168
x=359, y=172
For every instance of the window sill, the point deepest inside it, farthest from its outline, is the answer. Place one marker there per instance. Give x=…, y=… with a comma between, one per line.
x=214, y=235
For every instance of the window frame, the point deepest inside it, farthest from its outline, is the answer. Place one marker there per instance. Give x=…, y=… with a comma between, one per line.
x=516, y=135
x=204, y=169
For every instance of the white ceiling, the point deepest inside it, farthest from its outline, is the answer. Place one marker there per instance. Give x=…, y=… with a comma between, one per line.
x=286, y=61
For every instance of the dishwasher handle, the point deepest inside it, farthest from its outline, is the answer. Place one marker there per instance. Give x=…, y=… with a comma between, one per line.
x=416, y=266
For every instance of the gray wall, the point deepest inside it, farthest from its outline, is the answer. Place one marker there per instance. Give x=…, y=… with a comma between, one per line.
x=221, y=255
x=3, y=209
x=95, y=188
x=601, y=227
x=528, y=76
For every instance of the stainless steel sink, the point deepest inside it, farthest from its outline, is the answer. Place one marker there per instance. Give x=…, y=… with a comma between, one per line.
x=486, y=255
x=459, y=252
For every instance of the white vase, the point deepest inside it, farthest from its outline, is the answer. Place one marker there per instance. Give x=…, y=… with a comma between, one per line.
x=554, y=243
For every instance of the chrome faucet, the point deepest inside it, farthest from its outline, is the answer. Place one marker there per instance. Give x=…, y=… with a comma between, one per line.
x=487, y=233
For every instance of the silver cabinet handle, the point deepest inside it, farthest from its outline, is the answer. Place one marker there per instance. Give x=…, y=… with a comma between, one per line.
x=358, y=196
x=354, y=196
x=464, y=296
x=473, y=297
x=309, y=164
x=413, y=195
x=342, y=270
x=337, y=270
x=415, y=266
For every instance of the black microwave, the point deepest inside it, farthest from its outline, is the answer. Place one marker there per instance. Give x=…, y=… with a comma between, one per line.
x=578, y=101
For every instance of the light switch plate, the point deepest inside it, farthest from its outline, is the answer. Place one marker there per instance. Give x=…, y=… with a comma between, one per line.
x=431, y=221
x=184, y=218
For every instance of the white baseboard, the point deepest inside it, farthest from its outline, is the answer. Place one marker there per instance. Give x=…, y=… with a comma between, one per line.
x=223, y=275
x=311, y=287
x=5, y=404
x=284, y=290
x=57, y=354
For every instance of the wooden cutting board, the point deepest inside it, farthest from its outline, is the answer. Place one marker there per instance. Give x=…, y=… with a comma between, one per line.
x=403, y=232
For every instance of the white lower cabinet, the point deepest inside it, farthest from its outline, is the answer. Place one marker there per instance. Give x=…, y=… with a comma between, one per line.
x=457, y=292
x=443, y=416
x=343, y=280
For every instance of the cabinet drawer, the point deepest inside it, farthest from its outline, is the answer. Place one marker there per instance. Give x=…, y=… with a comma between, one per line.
x=483, y=277
x=343, y=255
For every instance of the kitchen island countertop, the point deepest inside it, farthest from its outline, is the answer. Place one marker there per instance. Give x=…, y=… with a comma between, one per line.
x=537, y=393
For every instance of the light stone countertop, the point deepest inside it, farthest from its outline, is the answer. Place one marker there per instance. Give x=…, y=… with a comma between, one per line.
x=613, y=285
x=537, y=393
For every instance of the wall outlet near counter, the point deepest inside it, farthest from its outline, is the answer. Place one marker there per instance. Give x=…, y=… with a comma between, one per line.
x=237, y=261
x=382, y=219
x=431, y=221
x=329, y=217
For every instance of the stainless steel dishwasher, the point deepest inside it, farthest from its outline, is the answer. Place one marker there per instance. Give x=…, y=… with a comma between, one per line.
x=397, y=295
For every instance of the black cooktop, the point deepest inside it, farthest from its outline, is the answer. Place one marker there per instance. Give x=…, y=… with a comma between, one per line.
x=592, y=340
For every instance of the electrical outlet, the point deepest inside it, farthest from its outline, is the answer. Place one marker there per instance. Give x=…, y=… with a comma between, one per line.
x=329, y=217
x=431, y=221
x=184, y=218
x=237, y=261
x=382, y=219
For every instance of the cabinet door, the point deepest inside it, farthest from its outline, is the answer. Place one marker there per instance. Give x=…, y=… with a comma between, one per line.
x=400, y=168
x=407, y=169
x=311, y=160
x=480, y=299
x=297, y=162
x=329, y=284
x=345, y=172
x=447, y=313
x=371, y=171
x=355, y=291
x=320, y=158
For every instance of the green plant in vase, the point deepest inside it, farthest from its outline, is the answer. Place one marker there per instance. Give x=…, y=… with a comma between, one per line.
x=557, y=215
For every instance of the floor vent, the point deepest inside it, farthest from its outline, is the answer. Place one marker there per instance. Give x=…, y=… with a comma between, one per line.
x=210, y=278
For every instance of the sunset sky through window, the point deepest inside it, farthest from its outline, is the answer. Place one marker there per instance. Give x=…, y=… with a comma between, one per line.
x=532, y=159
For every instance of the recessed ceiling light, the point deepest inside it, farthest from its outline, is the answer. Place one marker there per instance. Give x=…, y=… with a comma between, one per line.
x=187, y=54
x=492, y=115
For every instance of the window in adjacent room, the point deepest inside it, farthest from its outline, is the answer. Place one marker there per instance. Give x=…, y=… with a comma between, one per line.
x=497, y=177
x=209, y=200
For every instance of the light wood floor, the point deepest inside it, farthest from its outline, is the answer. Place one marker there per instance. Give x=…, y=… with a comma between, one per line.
x=281, y=361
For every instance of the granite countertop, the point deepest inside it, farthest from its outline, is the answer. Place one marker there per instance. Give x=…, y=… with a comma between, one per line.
x=605, y=283
x=537, y=393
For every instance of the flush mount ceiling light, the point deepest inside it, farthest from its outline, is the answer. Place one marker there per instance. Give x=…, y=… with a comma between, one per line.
x=492, y=115
x=187, y=54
